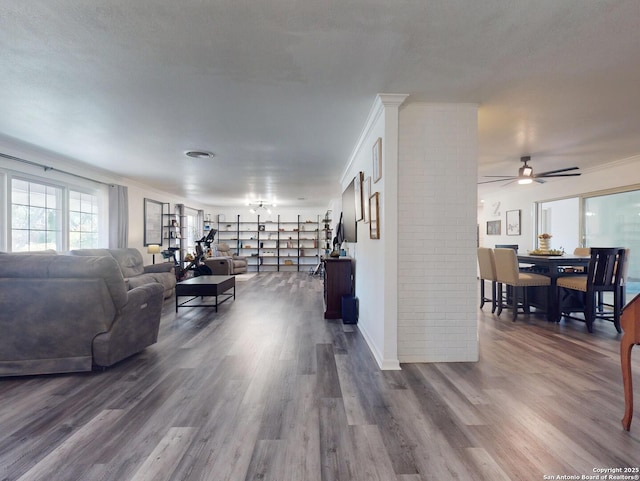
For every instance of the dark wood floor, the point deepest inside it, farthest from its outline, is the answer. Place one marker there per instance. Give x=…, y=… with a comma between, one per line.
x=266, y=389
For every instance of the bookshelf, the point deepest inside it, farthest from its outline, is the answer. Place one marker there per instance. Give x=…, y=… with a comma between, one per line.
x=280, y=245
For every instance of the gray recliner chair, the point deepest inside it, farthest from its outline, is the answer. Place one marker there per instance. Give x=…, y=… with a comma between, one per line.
x=226, y=262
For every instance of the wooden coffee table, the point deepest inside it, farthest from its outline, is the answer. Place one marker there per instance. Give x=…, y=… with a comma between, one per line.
x=205, y=286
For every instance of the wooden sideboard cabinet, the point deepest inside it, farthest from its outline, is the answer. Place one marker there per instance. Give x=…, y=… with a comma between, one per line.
x=338, y=281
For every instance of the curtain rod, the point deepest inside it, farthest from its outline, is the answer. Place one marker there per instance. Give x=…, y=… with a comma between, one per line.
x=47, y=168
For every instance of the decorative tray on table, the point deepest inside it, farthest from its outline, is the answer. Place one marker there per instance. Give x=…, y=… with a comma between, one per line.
x=550, y=252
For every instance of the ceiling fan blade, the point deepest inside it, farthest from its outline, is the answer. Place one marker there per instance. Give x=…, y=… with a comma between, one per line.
x=544, y=174
x=497, y=180
x=526, y=172
x=503, y=176
x=557, y=175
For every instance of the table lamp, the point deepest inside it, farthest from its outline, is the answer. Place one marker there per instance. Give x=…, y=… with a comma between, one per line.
x=153, y=249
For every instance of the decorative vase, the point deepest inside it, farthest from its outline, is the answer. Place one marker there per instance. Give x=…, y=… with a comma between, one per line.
x=543, y=244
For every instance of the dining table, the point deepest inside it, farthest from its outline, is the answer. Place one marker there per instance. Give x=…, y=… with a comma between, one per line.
x=554, y=266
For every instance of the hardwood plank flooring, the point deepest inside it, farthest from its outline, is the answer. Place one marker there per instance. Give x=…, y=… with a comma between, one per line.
x=266, y=389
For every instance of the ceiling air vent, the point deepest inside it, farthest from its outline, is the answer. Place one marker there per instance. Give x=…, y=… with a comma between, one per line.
x=199, y=154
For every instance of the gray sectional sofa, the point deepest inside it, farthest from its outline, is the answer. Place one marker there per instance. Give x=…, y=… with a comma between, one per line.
x=65, y=313
x=133, y=269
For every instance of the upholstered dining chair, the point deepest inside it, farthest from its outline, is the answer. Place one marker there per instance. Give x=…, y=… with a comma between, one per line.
x=582, y=251
x=507, y=273
x=487, y=266
x=515, y=247
x=605, y=273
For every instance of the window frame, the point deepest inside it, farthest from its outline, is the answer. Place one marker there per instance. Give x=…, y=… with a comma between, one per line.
x=98, y=231
x=61, y=208
x=193, y=232
x=6, y=192
x=582, y=213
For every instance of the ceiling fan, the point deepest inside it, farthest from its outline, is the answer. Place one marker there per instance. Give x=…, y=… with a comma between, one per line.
x=526, y=175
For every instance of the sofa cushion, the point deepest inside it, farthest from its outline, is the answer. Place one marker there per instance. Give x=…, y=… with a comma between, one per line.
x=46, y=251
x=90, y=252
x=223, y=250
x=161, y=278
x=130, y=261
x=55, y=266
x=239, y=264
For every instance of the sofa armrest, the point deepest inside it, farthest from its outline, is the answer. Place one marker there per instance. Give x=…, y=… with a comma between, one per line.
x=239, y=258
x=218, y=258
x=219, y=265
x=149, y=294
x=162, y=267
x=135, y=327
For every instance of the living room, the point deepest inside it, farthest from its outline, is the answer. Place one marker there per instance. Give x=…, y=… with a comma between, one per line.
x=285, y=103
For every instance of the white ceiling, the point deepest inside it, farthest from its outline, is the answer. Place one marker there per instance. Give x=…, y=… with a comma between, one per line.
x=279, y=90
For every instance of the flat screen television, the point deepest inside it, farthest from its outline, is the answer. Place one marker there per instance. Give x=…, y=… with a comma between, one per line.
x=349, y=225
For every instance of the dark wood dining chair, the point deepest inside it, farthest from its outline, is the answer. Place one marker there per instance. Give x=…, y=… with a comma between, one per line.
x=605, y=273
x=515, y=247
x=487, y=266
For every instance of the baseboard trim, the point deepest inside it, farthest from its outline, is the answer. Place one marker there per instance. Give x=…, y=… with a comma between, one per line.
x=383, y=364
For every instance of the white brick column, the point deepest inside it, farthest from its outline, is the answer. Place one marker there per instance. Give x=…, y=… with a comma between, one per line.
x=437, y=219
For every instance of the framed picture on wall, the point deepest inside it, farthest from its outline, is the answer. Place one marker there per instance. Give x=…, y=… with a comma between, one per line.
x=366, y=194
x=377, y=160
x=358, y=195
x=374, y=223
x=494, y=227
x=152, y=222
x=513, y=222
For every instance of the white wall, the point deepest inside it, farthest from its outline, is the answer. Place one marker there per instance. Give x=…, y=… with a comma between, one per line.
x=437, y=306
x=417, y=283
x=137, y=194
x=611, y=175
x=375, y=259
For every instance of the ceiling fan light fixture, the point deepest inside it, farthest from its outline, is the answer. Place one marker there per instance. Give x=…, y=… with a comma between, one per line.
x=526, y=175
x=260, y=205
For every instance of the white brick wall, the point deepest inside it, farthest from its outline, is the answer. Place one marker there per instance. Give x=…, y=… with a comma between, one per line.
x=437, y=299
